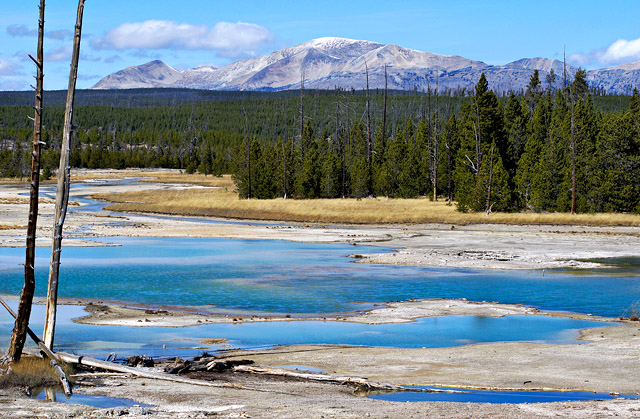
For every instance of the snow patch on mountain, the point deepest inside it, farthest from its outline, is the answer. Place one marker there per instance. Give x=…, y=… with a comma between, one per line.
x=330, y=62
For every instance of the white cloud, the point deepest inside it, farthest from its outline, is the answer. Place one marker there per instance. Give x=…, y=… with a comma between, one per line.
x=113, y=59
x=60, y=35
x=13, y=85
x=88, y=77
x=235, y=39
x=619, y=52
x=59, y=54
x=8, y=68
x=21, y=30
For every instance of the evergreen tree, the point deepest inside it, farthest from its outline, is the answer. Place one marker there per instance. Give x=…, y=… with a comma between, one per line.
x=617, y=166
x=491, y=191
x=517, y=133
x=450, y=144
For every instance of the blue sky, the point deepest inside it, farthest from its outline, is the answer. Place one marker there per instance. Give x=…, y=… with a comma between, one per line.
x=121, y=33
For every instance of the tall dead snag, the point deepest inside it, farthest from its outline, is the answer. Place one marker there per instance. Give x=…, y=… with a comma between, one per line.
x=301, y=110
x=384, y=135
x=487, y=209
x=19, y=335
x=62, y=193
x=369, y=150
x=435, y=157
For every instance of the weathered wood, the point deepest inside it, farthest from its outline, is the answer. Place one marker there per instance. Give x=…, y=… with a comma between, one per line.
x=139, y=372
x=100, y=374
x=54, y=360
x=19, y=334
x=62, y=193
x=357, y=382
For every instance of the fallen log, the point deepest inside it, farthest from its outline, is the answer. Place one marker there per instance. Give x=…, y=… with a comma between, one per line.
x=139, y=372
x=361, y=384
x=54, y=360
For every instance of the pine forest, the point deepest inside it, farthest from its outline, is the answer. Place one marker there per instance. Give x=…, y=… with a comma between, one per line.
x=540, y=150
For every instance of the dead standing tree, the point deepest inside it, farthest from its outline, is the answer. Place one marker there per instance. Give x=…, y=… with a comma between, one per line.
x=435, y=148
x=19, y=335
x=369, y=148
x=62, y=194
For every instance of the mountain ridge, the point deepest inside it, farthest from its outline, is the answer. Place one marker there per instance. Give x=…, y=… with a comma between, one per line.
x=330, y=62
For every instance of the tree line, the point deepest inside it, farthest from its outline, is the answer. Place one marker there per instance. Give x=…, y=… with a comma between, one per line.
x=545, y=150
x=482, y=151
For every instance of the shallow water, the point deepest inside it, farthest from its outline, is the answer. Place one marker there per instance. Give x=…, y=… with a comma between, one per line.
x=495, y=396
x=270, y=276
x=430, y=332
x=100, y=402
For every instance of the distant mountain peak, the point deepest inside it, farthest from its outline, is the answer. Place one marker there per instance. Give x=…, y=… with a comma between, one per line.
x=331, y=62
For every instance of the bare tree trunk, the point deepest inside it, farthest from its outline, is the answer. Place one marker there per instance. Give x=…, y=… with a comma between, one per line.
x=573, y=159
x=284, y=174
x=302, y=145
x=478, y=140
x=384, y=136
x=436, y=148
x=450, y=174
x=19, y=335
x=384, y=111
x=488, y=207
x=62, y=194
x=369, y=186
x=564, y=66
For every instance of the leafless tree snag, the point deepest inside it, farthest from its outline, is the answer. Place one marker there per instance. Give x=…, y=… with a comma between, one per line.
x=19, y=335
x=62, y=193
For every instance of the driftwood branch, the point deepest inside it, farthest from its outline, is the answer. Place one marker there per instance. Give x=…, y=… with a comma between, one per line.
x=139, y=372
x=357, y=382
x=47, y=352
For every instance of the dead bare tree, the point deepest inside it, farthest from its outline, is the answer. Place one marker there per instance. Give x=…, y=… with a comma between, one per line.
x=302, y=145
x=62, y=193
x=19, y=335
x=246, y=136
x=384, y=135
x=489, y=204
x=369, y=180
x=572, y=146
x=435, y=157
x=384, y=109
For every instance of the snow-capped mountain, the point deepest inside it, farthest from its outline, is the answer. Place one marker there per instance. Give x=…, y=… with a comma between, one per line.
x=620, y=79
x=326, y=63
x=152, y=74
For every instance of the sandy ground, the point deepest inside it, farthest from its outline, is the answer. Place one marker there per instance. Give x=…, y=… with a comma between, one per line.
x=607, y=361
x=392, y=312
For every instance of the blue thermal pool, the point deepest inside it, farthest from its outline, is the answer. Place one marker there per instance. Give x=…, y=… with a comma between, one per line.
x=430, y=332
x=494, y=396
x=296, y=278
x=100, y=402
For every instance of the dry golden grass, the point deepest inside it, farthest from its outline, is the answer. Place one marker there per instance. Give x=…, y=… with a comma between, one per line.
x=10, y=227
x=219, y=199
x=32, y=371
x=193, y=179
x=24, y=201
x=25, y=181
x=223, y=201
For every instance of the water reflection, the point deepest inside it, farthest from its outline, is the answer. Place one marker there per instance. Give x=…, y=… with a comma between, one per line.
x=296, y=278
x=494, y=396
x=100, y=341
